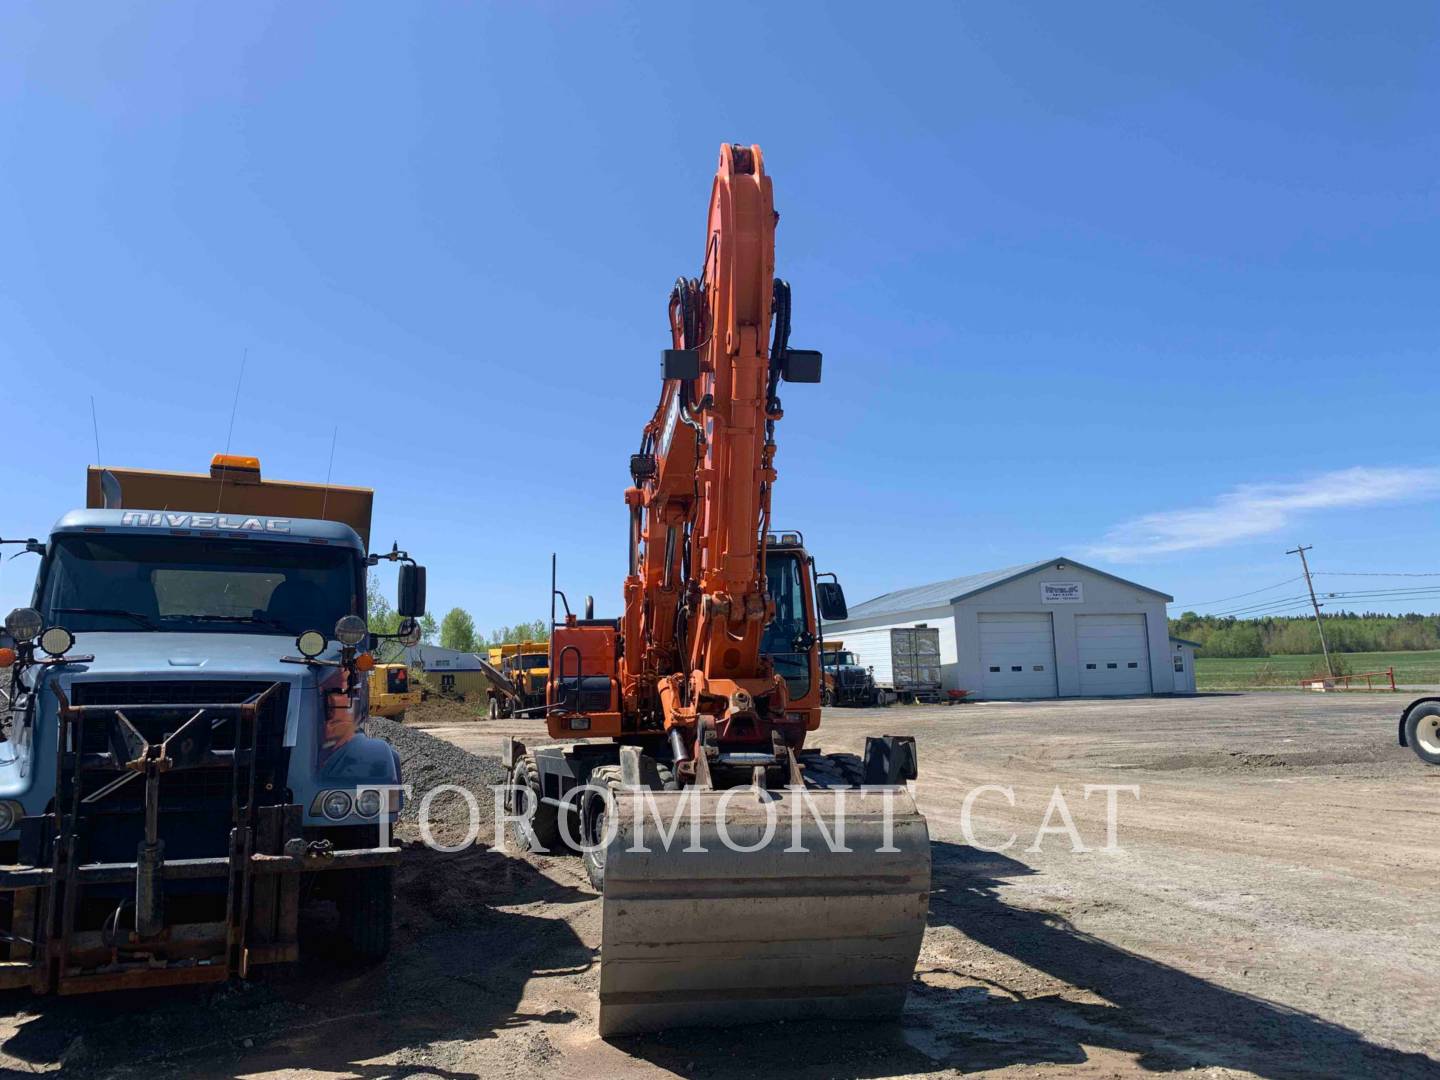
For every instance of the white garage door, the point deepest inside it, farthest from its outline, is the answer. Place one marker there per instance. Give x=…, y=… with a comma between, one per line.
x=1017, y=655
x=1114, y=654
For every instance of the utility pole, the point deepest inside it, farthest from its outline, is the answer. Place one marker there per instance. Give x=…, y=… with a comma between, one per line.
x=1300, y=550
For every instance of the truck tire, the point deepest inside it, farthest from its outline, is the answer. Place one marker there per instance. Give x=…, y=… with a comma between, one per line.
x=366, y=904
x=1422, y=732
x=545, y=818
x=593, y=814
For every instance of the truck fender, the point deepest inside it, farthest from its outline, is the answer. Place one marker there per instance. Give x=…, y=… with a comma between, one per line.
x=1405, y=716
x=363, y=758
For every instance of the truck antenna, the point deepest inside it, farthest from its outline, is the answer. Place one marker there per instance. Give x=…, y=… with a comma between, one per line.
x=229, y=434
x=325, y=500
x=110, y=497
x=95, y=427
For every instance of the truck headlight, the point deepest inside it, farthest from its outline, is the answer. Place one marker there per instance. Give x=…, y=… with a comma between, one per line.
x=311, y=644
x=10, y=815
x=335, y=804
x=24, y=623
x=367, y=803
x=351, y=630
x=57, y=641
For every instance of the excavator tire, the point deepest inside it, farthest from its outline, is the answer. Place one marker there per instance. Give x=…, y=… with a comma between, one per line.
x=544, y=818
x=598, y=807
x=762, y=928
x=594, y=813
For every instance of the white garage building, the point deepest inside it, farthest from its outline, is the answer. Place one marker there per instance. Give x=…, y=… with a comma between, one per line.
x=1047, y=629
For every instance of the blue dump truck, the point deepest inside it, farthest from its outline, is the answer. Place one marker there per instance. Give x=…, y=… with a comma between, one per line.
x=182, y=757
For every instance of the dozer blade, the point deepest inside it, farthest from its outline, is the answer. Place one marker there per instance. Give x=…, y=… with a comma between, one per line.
x=726, y=936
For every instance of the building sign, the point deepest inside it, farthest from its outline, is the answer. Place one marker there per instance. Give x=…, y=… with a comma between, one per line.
x=1061, y=592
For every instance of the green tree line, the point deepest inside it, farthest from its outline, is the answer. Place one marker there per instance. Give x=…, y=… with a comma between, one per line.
x=1295, y=635
x=457, y=631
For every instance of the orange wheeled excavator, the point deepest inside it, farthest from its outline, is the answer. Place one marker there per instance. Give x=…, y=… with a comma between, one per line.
x=696, y=705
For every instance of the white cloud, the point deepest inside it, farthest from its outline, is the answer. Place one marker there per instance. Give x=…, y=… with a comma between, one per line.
x=1252, y=510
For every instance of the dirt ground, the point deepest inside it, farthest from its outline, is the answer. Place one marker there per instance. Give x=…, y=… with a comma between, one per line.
x=1269, y=910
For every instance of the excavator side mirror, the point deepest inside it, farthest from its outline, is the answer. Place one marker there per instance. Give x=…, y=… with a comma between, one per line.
x=831, y=598
x=411, y=601
x=680, y=364
x=801, y=365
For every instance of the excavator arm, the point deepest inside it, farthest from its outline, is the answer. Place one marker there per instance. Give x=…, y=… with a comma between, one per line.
x=697, y=600
x=709, y=684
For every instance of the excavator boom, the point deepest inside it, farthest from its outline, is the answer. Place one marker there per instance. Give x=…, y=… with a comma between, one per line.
x=792, y=883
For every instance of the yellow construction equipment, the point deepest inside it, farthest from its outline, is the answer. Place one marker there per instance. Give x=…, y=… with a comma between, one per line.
x=391, y=691
x=525, y=667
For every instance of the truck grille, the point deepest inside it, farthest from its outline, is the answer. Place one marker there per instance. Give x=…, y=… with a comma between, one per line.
x=186, y=786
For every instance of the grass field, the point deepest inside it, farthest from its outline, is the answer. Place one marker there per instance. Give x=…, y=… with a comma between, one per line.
x=1228, y=674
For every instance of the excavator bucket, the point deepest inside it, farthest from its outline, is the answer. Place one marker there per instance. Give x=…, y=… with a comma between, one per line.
x=773, y=925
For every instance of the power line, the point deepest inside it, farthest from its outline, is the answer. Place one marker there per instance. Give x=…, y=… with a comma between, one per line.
x=1288, y=604
x=1378, y=573
x=1279, y=601
x=1350, y=594
x=1298, y=604
x=1237, y=596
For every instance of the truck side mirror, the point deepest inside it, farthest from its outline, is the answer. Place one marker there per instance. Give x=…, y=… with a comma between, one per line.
x=412, y=591
x=832, y=601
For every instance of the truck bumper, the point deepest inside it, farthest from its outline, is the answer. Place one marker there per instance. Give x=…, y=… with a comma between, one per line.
x=52, y=949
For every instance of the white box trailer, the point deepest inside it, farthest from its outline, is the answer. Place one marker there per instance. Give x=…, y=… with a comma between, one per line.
x=905, y=660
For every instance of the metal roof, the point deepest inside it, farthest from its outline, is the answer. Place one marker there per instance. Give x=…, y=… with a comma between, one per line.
x=1185, y=641
x=941, y=593
x=425, y=657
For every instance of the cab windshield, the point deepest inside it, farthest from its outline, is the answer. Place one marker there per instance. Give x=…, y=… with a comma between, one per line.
x=840, y=659
x=783, y=637
x=148, y=583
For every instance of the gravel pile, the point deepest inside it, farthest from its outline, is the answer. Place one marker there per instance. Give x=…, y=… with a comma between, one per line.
x=427, y=762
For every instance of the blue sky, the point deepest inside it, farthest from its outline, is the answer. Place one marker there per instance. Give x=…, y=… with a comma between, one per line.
x=1150, y=286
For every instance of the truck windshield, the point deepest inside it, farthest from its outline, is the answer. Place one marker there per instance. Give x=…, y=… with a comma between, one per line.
x=840, y=659
x=540, y=661
x=120, y=582
x=781, y=641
